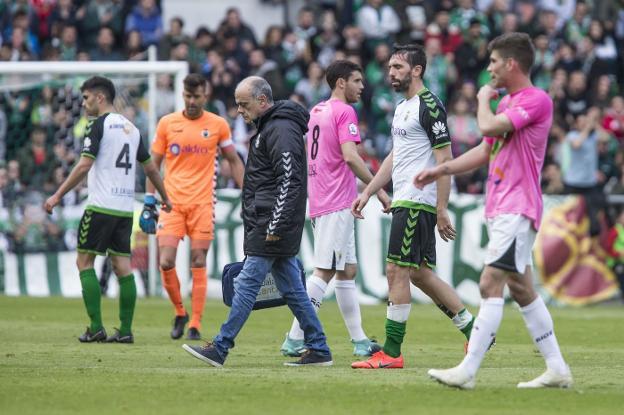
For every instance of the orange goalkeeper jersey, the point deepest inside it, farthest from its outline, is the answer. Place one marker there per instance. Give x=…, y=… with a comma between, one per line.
x=189, y=148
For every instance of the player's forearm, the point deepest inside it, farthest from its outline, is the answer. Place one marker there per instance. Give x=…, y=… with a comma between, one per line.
x=156, y=162
x=472, y=159
x=443, y=192
x=485, y=118
x=359, y=168
x=155, y=180
x=382, y=177
x=77, y=175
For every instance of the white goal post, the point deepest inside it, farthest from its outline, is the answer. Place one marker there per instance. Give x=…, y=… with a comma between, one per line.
x=150, y=68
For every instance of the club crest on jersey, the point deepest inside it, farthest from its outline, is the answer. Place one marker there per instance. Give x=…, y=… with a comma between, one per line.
x=406, y=116
x=353, y=129
x=205, y=133
x=87, y=143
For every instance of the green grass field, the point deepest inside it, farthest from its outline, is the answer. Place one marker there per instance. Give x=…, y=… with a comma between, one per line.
x=44, y=369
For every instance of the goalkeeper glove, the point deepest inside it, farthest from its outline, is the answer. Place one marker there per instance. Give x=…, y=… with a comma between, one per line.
x=149, y=215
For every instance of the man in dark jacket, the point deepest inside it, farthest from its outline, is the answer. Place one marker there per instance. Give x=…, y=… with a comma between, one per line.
x=274, y=204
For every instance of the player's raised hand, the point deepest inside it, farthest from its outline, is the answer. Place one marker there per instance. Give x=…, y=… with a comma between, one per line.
x=487, y=92
x=51, y=202
x=358, y=204
x=149, y=215
x=426, y=176
x=445, y=227
x=385, y=200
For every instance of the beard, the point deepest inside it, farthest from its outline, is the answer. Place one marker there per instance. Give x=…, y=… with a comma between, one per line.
x=404, y=84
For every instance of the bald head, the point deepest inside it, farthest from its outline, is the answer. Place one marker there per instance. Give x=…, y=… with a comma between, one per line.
x=253, y=96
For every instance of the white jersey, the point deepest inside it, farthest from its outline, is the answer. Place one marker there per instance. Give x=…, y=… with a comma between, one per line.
x=418, y=127
x=115, y=145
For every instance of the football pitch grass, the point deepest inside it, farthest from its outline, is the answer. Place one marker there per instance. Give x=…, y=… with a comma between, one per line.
x=44, y=369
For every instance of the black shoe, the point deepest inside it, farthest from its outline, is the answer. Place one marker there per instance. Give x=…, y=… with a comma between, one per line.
x=193, y=334
x=311, y=358
x=88, y=337
x=207, y=353
x=178, y=326
x=118, y=338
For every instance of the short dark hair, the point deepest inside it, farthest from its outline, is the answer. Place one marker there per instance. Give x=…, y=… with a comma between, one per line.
x=340, y=69
x=100, y=84
x=517, y=46
x=413, y=54
x=193, y=81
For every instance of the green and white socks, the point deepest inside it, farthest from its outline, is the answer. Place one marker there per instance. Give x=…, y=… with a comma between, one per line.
x=92, y=298
x=396, y=321
x=127, y=302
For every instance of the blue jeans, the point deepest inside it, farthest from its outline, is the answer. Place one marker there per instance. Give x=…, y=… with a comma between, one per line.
x=288, y=281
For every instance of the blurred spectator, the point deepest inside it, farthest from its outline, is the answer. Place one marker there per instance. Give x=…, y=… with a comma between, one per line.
x=27, y=41
x=105, y=50
x=413, y=15
x=35, y=231
x=613, y=120
x=464, y=15
x=65, y=13
x=528, y=16
x=472, y=56
x=3, y=135
x=305, y=28
x=173, y=37
x=4, y=181
x=313, y=87
x=14, y=187
x=551, y=180
x=462, y=127
x=379, y=22
x=134, y=49
x=327, y=41
x=375, y=71
x=213, y=104
x=166, y=97
x=69, y=43
x=147, y=20
x=544, y=62
x=562, y=9
x=576, y=100
x=604, y=51
x=43, y=108
x=259, y=65
x=97, y=14
x=448, y=34
x=36, y=160
x=576, y=28
x=440, y=73
x=353, y=42
x=272, y=45
x=233, y=24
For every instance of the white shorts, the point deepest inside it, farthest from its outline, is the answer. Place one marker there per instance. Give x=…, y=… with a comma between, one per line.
x=511, y=242
x=334, y=240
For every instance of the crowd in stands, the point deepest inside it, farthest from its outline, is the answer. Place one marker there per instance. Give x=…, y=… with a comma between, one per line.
x=579, y=61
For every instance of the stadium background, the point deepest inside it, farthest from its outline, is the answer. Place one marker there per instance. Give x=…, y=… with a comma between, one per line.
x=579, y=62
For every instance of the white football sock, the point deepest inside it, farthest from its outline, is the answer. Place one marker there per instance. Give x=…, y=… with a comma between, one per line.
x=540, y=325
x=346, y=296
x=398, y=312
x=316, y=290
x=484, y=329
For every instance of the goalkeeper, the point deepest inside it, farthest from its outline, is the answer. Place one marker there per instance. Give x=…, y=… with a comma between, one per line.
x=188, y=142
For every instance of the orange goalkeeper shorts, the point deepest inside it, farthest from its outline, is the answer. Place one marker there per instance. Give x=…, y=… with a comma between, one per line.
x=196, y=221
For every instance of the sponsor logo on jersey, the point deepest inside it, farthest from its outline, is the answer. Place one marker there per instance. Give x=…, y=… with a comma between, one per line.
x=399, y=131
x=439, y=129
x=353, y=130
x=177, y=149
x=87, y=143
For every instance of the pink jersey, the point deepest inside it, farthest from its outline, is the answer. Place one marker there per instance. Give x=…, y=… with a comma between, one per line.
x=331, y=183
x=516, y=160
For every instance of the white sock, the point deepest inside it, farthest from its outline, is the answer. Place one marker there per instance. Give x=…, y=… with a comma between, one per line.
x=484, y=329
x=540, y=325
x=462, y=319
x=346, y=296
x=398, y=312
x=316, y=290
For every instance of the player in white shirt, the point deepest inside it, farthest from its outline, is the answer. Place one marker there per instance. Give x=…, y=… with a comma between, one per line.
x=111, y=148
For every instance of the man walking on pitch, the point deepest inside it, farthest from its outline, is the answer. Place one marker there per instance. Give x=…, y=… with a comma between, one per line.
x=514, y=145
x=420, y=139
x=273, y=206
x=333, y=164
x=110, y=148
x=188, y=142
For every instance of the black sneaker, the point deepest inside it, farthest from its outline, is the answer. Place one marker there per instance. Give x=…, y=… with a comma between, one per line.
x=118, y=338
x=88, y=337
x=193, y=334
x=178, y=326
x=311, y=358
x=207, y=353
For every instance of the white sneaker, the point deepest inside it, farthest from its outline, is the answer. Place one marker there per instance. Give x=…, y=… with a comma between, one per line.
x=455, y=377
x=549, y=379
